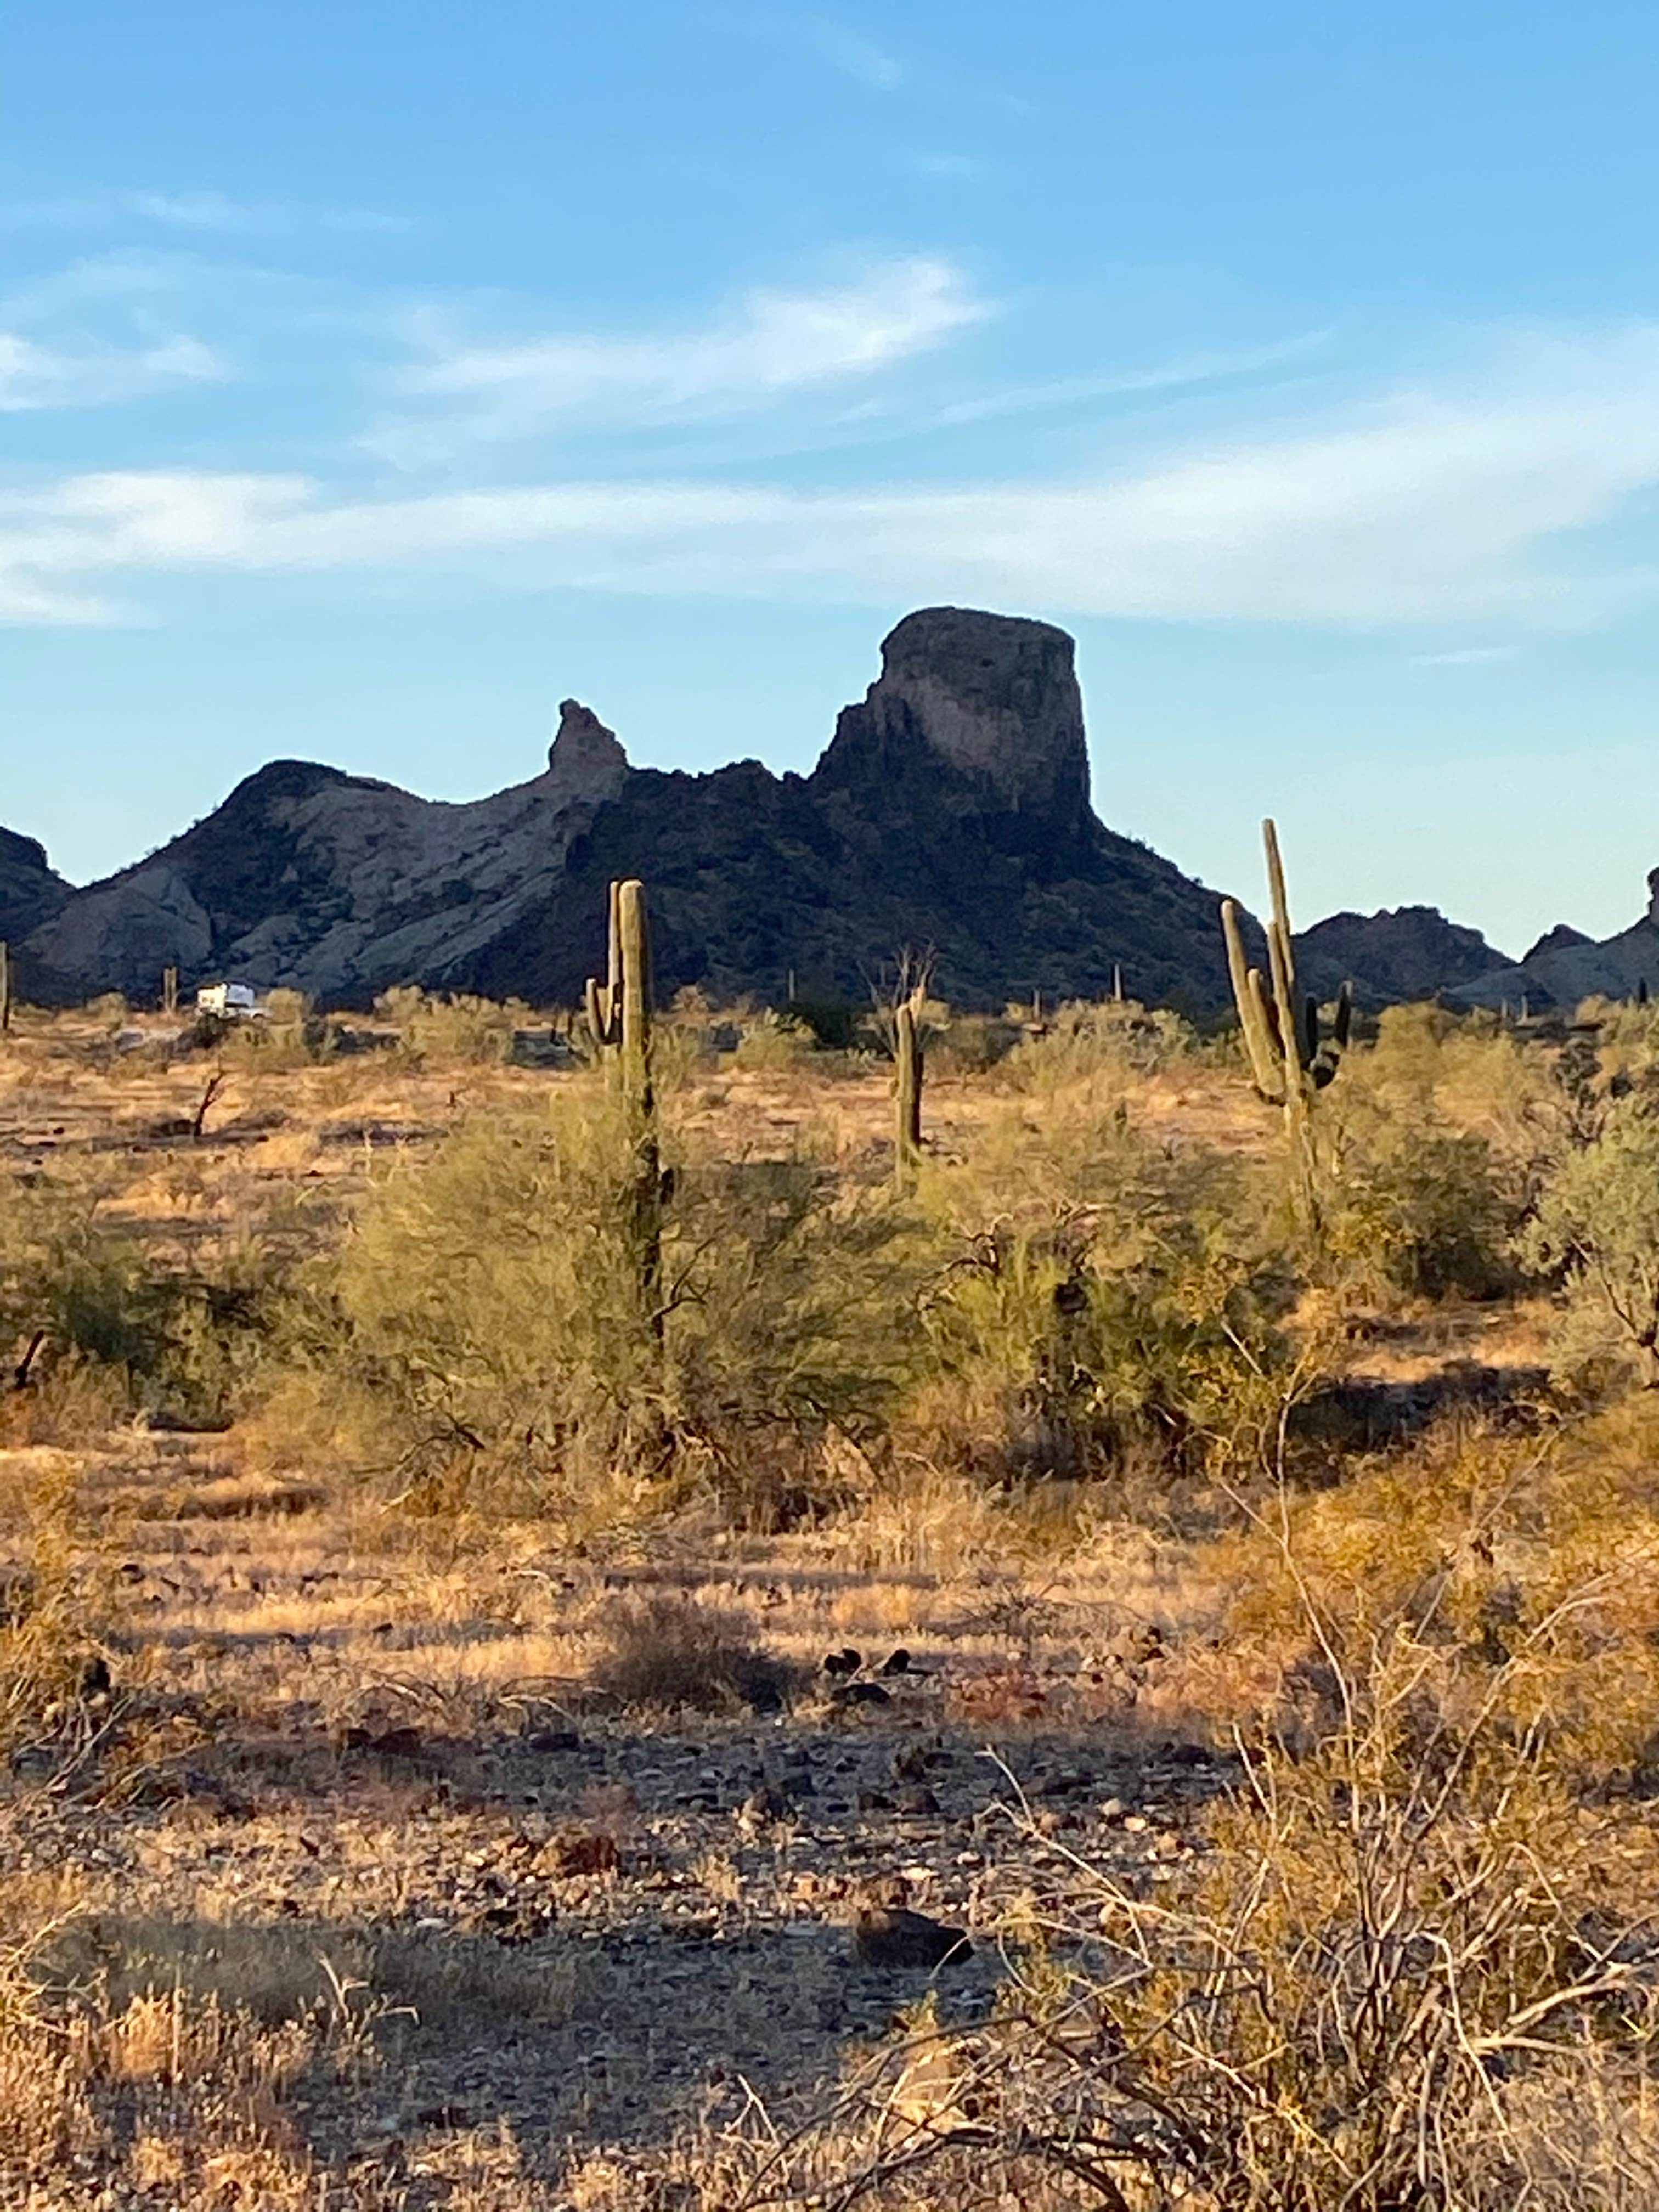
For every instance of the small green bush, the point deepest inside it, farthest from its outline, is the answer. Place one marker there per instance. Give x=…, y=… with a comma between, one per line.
x=1118, y=1037
x=493, y=1302
x=183, y=1340
x=772, y=1042
x=1596, y=1226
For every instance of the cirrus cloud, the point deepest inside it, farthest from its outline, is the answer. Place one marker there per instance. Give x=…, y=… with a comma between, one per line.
x=1480, y=501
x=770, y=346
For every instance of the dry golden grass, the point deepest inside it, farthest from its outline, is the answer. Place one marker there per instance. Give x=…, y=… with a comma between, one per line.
x=335, y=1937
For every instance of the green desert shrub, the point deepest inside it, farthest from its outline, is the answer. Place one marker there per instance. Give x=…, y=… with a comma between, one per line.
x=1105, y=1300
x=1596, y=1227
x=972, y=1045
x=494, y=1301
x=290, y=1035
x=1432, y=1144
x=1626, y=1045
x=1465, y=1073
x=73, y=1276
x=1422, y=1211
x=771, y=1043
x=1117, y=1037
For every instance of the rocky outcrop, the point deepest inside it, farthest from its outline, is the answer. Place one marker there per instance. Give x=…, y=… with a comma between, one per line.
x=950, y=815
x=1397, y=955
x=1564, y=937
x=333, y=883
x=30, y=890
x=993, y=696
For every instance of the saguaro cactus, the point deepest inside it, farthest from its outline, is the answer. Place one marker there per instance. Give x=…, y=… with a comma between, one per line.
x=5, y=986
x=1290, y=1062
x=619, y=1018
x=907, y=1092
x=169, y=991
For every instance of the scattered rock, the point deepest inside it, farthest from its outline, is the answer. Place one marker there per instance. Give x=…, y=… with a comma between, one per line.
x=891, y=1935
x=549, y=1740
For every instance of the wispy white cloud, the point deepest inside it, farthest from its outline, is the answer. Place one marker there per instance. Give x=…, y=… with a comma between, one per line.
x=95, y=334
x=1468, y=503
x=1184, y=375
x=34, y=376
x=771, y=344
x=205, y=213
x=1466, y=656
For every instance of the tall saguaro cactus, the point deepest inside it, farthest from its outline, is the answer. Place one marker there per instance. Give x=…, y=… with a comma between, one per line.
x=619, y=1017
x=1290, y=1062
x=169, y=991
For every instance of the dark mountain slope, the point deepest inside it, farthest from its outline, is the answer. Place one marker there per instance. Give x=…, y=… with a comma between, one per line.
x=1400, y=953
x=30, y=891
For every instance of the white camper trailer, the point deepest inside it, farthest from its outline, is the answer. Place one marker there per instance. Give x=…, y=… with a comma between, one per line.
x=232, y=1002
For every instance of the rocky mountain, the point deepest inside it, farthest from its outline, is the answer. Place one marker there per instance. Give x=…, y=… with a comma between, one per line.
x=30, y=893
x=1562, y=938
x=949, y=814
x=1399, y=954
x=1565, y=966
x=334, y=883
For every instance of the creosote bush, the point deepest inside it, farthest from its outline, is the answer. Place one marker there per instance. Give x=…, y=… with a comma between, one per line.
x=1116, y=1038
x=1102, y=1298
x=183, y=1340
x=1421, y=1210
x=1431, y=1153
x=1596, y=1228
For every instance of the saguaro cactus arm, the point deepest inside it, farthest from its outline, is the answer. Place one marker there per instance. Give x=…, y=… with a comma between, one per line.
x=613, y=979
x=1265, y=1067
x=602, y=1002
x=1288, y=1061
x=1328, y=1055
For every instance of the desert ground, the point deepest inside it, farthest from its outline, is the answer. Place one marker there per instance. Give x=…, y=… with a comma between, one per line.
x=411, y=1801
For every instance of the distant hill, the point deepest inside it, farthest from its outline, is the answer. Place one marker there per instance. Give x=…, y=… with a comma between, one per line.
x=948, y=815
x=1399, y=954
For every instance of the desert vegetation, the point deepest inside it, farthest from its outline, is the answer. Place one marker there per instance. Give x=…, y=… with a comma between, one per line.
x=546, y=1551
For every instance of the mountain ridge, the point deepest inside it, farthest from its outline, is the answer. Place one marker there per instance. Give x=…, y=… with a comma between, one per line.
x=948, y=816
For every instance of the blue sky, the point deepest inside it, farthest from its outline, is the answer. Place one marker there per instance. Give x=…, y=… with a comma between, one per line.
x=372, y=376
